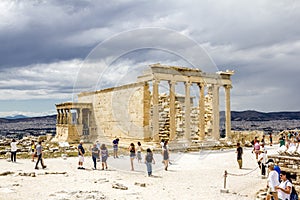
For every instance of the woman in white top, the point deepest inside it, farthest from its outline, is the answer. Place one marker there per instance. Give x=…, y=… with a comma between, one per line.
x=13, y=150
x=285, y=187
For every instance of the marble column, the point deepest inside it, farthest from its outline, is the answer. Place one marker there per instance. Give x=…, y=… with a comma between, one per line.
x=80, y=116
x=155, y=115
x=65, y=121
x=172, y=110
x=216, y=112
x=227, y=111
x=57, y=117
x=187, y=102
x=69, y=116
x=201, y=112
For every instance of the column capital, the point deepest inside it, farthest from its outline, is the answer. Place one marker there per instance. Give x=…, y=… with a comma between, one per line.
x=227, y=86
x=172, y=82
x=201, y=84
x=188, y=83
x=155, y=81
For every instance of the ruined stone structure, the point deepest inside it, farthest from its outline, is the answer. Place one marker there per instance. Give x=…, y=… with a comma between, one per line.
x=140, y=111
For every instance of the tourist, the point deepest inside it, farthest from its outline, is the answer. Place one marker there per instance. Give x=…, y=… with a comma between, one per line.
x=262, y=160
x=132, y=155
x=271, y=139
x=272, y=182
x=165, y=154
x=276, y=167
x=39, y=153
x=263, y=140
x=13, y=150
x=285, y=187
x=256, y=149
x=33, y=152
x=139, y=152
x=81, y=152
x=281, y=140
x=115, y=147
x=239, y=151
x=148, y=161
x=95, y=155
x=104, y=156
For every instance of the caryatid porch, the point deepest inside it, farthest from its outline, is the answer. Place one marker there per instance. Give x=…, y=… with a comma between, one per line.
x=73, y=121
x=189, y=76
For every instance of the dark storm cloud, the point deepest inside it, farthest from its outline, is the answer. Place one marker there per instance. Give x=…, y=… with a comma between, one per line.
x=44, y=43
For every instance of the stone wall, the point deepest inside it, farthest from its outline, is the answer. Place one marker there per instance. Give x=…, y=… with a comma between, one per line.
x=119, y=111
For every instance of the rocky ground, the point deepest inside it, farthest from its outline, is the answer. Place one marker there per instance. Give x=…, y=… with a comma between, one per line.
x=197, y=175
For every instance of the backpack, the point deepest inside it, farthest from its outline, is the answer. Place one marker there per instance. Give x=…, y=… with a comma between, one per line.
x=294, y=195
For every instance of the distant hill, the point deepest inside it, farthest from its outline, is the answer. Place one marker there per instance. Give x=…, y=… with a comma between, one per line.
x=16, y=117
x=27, y=119
x=261, y=116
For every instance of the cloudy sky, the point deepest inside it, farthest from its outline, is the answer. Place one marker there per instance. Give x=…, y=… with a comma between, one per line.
x=47, y=48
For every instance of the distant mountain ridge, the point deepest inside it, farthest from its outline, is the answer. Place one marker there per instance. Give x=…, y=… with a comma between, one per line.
x=248, y=115
x=16, y=117
x=251, y=115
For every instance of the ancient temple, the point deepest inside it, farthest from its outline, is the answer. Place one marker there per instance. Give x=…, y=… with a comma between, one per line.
x=140, y=111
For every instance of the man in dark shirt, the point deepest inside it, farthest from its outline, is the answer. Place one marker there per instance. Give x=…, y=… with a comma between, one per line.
x=80, y=155
x=239, y=151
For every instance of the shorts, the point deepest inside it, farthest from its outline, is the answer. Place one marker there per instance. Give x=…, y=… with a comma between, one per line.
x=104, y=158
x=32, y=150
x=132, y=155
x=81, y=158
x=139, y=155
x=271, y=192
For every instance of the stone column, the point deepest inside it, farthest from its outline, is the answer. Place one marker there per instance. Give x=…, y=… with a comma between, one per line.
x=65, y=116
x=227, y=111
x=201, y=112
x=62, y=116
x=172, y=110
x=79, y=116
x=57, y=117
x=187, y=115
x=69, y=116
x=216, y=112
x=155, y=115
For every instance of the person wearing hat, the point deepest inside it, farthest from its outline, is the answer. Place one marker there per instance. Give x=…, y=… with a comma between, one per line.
x=262, y=159
x=276, y=167
x=272, y=182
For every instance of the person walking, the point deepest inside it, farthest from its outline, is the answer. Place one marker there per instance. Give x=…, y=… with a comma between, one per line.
x=132, y=155
x=149, y=160
x=262, y=160
x=95, y=155
x=272, y=182
x=104, y=156
x=116, y=147
x=39, y=153
x=81, y=152
x=139, y=152
x=239, y=151
x=165, y=154
x=33, y=151
x=285, y=187
x=13, y=150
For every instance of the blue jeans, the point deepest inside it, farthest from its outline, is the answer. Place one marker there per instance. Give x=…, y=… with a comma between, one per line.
x=149, y=168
